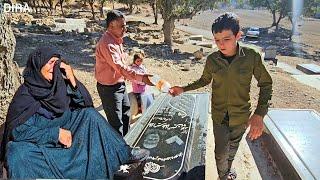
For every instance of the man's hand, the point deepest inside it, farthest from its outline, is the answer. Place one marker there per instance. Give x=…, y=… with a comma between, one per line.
x=65, y=137
x=69, y=73
x=256, y=126
x=146, y=79
x=175, y=91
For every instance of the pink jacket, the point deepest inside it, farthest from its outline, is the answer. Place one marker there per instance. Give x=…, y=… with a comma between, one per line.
x=138, y=87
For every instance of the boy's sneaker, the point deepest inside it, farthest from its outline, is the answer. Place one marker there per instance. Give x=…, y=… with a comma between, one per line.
x=232, y=175
x=139, y=154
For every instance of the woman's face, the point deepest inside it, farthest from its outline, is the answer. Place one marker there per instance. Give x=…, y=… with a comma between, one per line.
x=47, y=69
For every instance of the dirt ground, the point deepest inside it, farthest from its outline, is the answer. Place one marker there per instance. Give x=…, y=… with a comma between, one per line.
x=78, y=49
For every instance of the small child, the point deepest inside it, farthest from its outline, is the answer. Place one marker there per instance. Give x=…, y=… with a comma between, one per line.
x=138, y=88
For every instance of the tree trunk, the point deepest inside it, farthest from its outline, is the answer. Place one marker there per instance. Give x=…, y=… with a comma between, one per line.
x=274, y=23
x=279, y=19
x=131, y=7
x=155, y=11
x=92, y=9
x=10, y=78
x=168, y=27
x=101, y=8
x=51, y=6
x=61, y=6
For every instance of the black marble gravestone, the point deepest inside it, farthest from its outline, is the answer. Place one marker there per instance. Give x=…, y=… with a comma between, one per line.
x=174, y=130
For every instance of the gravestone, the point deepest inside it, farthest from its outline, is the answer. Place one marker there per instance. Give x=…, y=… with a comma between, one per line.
x=294, y=142
x=309, y=68
x=172, y=129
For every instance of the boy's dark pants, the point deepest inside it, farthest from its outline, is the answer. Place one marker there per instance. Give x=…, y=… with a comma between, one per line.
x=227, y=141
x=116, y=105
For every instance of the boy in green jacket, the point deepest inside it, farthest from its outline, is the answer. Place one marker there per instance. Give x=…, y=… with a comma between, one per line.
x=230, y=70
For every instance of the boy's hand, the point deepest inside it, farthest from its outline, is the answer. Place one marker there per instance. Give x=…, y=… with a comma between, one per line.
x=256, y=126
x=175, y=91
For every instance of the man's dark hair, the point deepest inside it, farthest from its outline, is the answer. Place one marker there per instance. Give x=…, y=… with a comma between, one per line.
x=113, y=15
x=226, y=21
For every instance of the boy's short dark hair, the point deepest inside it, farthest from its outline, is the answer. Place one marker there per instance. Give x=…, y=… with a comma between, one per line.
x=226, y=21
x=113, y=15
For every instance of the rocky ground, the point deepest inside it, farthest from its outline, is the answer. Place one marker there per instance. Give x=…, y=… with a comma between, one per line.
x=176, y=65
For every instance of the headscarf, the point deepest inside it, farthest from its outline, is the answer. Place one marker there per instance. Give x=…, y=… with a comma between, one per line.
x=38, y=92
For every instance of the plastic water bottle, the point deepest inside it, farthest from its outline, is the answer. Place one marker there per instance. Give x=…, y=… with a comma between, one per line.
x=160, y=84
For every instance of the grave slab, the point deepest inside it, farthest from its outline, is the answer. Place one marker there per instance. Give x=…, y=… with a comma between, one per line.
x=174, y=129
x=309, y=68
x=310, y=80
x=296, y=133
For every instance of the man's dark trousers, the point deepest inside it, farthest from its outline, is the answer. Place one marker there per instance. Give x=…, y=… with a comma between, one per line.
x=116, y=105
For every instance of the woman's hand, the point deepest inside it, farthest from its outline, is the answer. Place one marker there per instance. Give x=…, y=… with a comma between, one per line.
x=65, y=137
x=69, y=73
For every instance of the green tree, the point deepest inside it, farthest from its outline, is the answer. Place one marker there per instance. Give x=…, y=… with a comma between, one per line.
x=279, y=7
x=311, y=7
x=131, y=3
x=174, y=9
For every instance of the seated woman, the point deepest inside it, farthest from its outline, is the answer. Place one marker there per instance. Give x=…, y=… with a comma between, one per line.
x=53, y=131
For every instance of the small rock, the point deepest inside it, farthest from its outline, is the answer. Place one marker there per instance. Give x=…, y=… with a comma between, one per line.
x=87, y=30
x=34, y=22
x=205, y=44
x=16, y=30
x=181, y=40
x=176, y=51
x=93, y=41
x=62, y=20
x=155, y=36
x=175, y=36
x=63, y=31
x=198, y=54
x=132, y=29
x=196, y=37
x=146, y=39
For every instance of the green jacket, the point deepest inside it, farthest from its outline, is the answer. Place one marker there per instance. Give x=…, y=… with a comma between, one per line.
x=231, y=85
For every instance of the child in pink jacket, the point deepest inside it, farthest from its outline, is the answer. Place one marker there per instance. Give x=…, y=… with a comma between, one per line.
x=138, y=88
